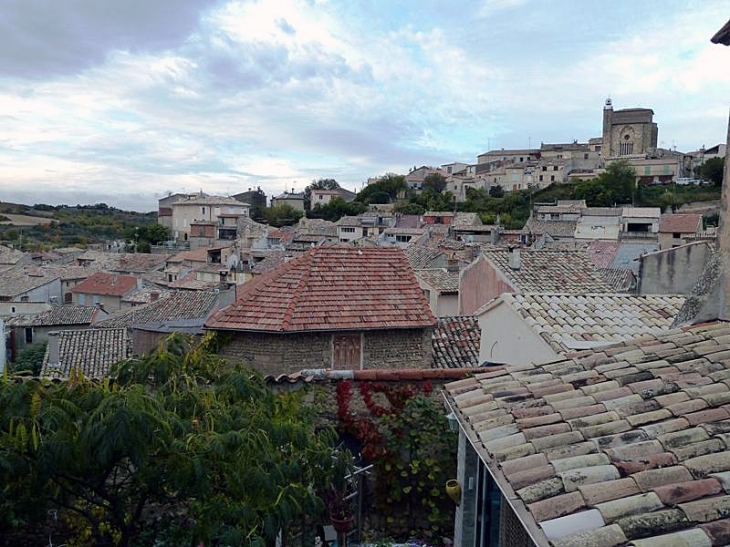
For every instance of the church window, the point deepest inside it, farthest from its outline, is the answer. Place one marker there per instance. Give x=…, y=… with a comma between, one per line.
x=627, y=147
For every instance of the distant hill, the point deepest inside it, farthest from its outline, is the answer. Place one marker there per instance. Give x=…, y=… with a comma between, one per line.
x=49, y=226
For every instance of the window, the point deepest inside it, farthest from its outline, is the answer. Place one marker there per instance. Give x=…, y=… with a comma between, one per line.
x=544, y=168
x=647, y=170
x=514, y=187
x=627, y=147
x=320, y=197
x=666, y=170
x=28, y=335
x=25, y=299
x=560, y=156
x=346, y=351
x=402, y=239
x=347, y=230
x=585, y=156
x=552, y=178
x=598, y=148
x=540, y=178
x=67, y=298
x=202, y=210
x=82, y=299
x=676, y=235
x=555, y=167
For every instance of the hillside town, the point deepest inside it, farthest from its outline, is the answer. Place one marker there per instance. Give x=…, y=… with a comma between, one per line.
x=390, y=377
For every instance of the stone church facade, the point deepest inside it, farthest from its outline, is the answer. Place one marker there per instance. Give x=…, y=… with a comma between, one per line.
x=628, y=132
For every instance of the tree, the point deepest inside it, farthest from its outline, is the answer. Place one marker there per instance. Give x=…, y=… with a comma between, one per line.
x=713, y=170
x=320, y=184
x=30, y=359
x=211, y=449
x=614, y=186
x=385, y=190
x=281, y=215
x=435, y=182
x=336, y=209
x=496, y=191
x=141, y=238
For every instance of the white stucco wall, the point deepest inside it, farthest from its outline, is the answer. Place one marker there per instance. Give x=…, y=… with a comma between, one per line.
x=506, y=338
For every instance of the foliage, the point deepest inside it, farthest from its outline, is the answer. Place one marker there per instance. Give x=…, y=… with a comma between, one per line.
x=409, y=208
x=281, y=215
x=615, y=186
x=141, y=238
x=496, y=191
x=79, y=225
x=210, y=448
x=385, y=190
x=29, y=359
x=435, y=182
x=411, y=447
x=336, y=209
x=713, y=170
x=431, y=200
x=320, y=184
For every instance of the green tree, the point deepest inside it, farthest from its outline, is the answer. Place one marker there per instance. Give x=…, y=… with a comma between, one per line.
x=30, y=359
x=219, y=456
x=496, y=191
x=615, y=186
x=385, y=190
x=435, y=182
x=713, y=170
x=336, y=209
x=281, y=215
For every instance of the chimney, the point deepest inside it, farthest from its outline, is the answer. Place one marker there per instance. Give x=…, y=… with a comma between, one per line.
x=54, y=359
x=154, y=296
x=452, y=265
x=515, y=259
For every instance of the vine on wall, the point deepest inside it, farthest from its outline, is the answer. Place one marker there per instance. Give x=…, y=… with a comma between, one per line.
x=405, y=435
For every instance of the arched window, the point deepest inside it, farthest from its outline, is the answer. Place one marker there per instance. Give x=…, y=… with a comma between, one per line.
x=627, y=147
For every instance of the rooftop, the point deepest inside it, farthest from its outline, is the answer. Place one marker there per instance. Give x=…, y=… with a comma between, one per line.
x=15, y=280
x=556, y=228
x=441, y=279
x=90, y=351
x=568, y=322
x=550, y=271
x=456, y=342
x=614, y=445
x=106, y=283
x=422, y=257
x=683, y=223
x=331, y=288
x=56, y=316
x=178, y=306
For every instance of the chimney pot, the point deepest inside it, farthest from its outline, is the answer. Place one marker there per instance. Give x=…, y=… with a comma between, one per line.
x=515, y=259
x=154, y=296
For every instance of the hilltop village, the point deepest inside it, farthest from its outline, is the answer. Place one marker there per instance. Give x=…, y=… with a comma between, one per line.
x=583, y=358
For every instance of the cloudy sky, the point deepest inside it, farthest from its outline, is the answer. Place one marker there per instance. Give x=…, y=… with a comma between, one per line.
x=123, y=101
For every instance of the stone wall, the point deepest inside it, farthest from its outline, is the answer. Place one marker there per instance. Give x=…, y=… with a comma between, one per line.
x=479, y=283
x=287, y=353
x=673, y=271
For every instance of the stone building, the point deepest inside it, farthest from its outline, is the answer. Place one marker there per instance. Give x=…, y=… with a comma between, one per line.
x=628, y=132
x=340, y=307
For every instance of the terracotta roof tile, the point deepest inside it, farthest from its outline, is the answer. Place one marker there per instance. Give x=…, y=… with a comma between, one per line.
x=90, y=351
x=651, y=453
x=455, y=342
x=683, y=223
x=352, y=288
x=109, y=284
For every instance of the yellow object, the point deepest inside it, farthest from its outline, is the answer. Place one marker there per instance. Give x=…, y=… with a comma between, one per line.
x=453, y=490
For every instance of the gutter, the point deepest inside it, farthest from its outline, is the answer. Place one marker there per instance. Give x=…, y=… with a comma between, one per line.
x=537, y=536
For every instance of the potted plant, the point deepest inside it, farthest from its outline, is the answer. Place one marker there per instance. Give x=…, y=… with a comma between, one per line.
x=341, y=509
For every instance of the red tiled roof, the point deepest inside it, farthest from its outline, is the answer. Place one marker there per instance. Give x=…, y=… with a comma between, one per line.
x=684, y=223
x=331, y=288
x=106, y=283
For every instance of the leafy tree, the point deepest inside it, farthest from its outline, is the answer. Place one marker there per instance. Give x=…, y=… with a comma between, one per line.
x=320, y=184
x=141, y=238
x=336, y=209
x=222, y=458
x=496, y=191
x=435, y=182
x=409, y=208
x=281, y=215
x=613, y=186
x=386, y=190
x=30, y=359
x=713, y=170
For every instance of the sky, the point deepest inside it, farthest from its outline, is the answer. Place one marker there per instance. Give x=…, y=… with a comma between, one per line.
x=126, y=101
